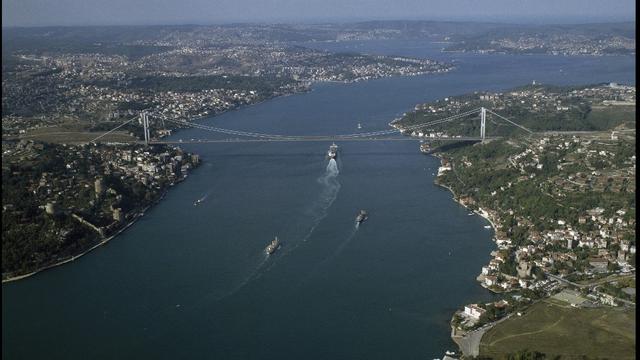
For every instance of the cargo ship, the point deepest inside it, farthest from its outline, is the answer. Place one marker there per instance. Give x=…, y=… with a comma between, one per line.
x=273, y=246
x=333, y=151
x=362, y=216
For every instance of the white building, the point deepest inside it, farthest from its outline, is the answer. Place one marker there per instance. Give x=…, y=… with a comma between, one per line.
x=473, y=311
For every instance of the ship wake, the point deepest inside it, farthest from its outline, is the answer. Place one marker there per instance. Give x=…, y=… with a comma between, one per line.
x=317, y=212
x=343, y=245
x=333, y=256
x=254, y=274
x=330, y=189
x=319, y=209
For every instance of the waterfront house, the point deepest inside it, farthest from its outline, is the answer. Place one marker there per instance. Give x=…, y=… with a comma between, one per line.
x=474, y=311
x=490, y=280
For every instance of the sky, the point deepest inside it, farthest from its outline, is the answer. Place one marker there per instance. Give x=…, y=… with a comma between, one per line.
x=159, y=12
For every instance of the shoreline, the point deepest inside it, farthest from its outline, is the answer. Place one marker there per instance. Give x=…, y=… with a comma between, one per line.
x=461, y=340
x=309, y=87
x=481, y=214
x=135, y=218
x=74, y=257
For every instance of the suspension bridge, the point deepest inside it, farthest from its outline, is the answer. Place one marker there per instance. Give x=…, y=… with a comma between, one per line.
x=381, y=135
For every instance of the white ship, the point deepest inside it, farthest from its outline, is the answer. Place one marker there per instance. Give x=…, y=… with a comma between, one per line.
x=333, y=151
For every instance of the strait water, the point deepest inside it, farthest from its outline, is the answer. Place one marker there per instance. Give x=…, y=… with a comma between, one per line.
x=194, y=283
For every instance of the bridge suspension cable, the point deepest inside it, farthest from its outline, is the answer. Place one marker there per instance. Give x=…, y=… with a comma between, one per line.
x=440, y=121
x=511, y=122
x=338, y=136
x=312, y=137
x=112, y=130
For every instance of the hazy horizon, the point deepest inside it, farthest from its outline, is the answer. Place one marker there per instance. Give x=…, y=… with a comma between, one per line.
x=40, y=13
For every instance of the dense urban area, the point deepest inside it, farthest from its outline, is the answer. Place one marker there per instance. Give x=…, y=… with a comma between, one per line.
x=588, y=39
x=175, y=73
x=561, y=201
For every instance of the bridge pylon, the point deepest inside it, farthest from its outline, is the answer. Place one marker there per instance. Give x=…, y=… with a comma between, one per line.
x=145, y=125
x=483, y=118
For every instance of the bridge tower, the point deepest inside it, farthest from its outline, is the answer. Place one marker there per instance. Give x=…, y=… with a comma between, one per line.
x=483, y=118
x=146, y=115
x=145, y=125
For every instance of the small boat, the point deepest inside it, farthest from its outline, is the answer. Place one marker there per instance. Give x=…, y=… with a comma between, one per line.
x=359, y=126
x=273, y=246
x=333, y=151
x=362, y=216
x=197, y=202
x=487, y=226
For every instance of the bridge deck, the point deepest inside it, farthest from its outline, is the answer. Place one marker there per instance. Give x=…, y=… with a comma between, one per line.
x=318, y=139
x=380, y=135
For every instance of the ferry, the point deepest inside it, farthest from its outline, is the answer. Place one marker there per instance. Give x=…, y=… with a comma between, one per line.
x=273, y=246
x=333, y=151
x=362, y=216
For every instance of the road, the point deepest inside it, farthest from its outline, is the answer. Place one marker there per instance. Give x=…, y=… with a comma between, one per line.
x=630, y=303
x=597, y=283
x=470, y=343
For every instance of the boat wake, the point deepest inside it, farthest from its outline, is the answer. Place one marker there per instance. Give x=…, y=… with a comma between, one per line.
x=317, y=212
x=319, y=209
x=202, y=199
x=343, y=245
x=255, y=273
x=334, y=255
x=330, y=189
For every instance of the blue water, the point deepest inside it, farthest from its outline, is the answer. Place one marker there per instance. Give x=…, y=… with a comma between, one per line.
x=193, y=282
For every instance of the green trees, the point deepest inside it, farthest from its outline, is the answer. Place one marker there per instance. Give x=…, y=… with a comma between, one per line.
x=33, y=238
x=509, y=266
x=527, y=355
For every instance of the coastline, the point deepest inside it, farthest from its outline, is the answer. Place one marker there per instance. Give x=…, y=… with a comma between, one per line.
x=481, y=214
x=309, y=84
x=455, y=198
x=309, y=88
x=135, y=218
x=74, y=257
x=469, y=341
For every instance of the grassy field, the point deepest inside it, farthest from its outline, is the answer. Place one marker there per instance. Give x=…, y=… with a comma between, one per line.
x=71, y=135
x=556, y=329
x=606, y=117
x=627, y=279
